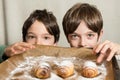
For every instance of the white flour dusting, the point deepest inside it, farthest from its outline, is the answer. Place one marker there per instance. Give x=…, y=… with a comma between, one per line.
x=23, y=71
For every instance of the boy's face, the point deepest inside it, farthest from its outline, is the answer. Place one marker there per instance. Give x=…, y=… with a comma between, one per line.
x=83, y=37
x=38, y=34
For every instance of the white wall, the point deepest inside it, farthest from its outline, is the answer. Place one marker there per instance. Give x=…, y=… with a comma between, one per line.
x=16, y=12
x=2, y=38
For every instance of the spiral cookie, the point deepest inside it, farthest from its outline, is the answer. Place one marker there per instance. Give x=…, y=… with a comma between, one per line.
x=89, y=69
x=42, y=70
x=65, y=69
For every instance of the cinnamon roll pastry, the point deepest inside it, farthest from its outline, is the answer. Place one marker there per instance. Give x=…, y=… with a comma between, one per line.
x=65, y=69
x=42, y=70
x=89, y=69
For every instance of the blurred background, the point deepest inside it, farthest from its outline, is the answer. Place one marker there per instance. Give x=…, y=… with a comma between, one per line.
x=13, y=13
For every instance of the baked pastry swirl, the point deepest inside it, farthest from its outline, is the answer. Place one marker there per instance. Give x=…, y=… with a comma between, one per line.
x=42, y=70
x=65, y=69
x=89, y=69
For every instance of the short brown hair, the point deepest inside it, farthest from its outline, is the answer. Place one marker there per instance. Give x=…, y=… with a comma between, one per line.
x=82, y=12
x=47, y=18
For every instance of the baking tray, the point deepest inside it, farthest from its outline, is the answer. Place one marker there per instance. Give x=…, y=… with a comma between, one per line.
x=116, y=68
x=9, y=65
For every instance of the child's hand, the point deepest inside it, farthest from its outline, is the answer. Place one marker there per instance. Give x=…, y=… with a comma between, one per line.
x=107, y=50
x=18, y=48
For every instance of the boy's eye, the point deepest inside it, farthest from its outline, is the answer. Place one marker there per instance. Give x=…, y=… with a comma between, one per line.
x=30, y=36
x=74, y=36
x=90, y=35
x=46, y=37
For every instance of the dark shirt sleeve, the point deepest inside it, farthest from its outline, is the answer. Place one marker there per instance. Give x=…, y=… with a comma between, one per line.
x=2, y=48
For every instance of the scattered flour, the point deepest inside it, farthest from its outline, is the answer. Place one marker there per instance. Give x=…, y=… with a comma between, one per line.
x=23, y=71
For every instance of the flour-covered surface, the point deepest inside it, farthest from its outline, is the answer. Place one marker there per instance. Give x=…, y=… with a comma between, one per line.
x=19, y=67
x=24, y=70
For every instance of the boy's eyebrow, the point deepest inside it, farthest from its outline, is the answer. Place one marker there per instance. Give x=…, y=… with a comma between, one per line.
x=86, y=32
x=74, y=33
x=30, y=33
x=42, y=34
x=90, y=32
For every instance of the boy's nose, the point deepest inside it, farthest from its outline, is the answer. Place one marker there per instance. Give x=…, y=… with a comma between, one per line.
x=38, y=41
x=82, y=43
